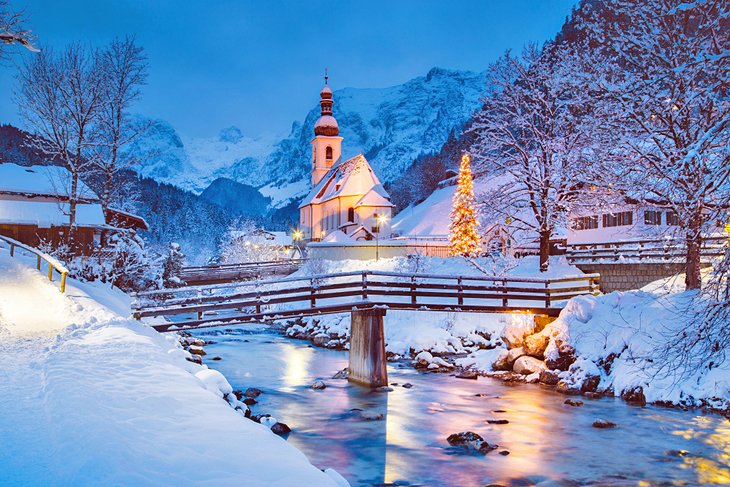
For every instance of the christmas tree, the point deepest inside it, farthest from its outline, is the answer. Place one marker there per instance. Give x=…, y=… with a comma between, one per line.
x=464, y=239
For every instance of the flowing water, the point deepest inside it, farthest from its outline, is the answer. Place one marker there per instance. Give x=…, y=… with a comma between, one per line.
x=549, y=443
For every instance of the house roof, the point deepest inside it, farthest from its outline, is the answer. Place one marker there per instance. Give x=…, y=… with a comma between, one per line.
x=339, y=181
x=47, y=214
x=53, y=181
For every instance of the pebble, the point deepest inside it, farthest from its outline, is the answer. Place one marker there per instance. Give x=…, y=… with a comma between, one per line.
x=407, y=385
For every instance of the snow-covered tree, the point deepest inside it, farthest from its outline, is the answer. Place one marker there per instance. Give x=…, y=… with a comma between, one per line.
x=59, y=97
x=123, y=71
x=13, y=30
x=172, y=266
x=247, y=242
x=133, y=268
x=660, y=72
x=533, y=129
x=464, y=238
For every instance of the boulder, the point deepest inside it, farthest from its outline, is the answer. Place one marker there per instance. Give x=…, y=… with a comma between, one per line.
x=319, y=385
x=342, y=374
x=238, y=393
x=470, y=441
x=549, y=377
x=564, y=387
x=249, y=401
x=321, y=340
x=590, y=384
x=195, y=350
x=527, y=365
x=535, y=345
x=497, y=421
x=407, y=385
x=501, y=362
x=280, y=428
x=216, y=358
x=634, y=396
x=602, y=424
x=252, y=392
x=514, y=354
x=573, y=402
x=467, y=374
x=566, y=357
x=196, y=359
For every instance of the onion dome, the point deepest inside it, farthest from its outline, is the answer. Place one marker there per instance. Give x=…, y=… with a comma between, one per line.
x=326, y=124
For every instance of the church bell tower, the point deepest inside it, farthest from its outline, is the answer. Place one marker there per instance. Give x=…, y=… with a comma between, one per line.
x=326, y=145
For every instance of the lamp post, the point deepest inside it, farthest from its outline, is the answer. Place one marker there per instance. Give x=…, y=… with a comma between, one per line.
x=379, y=220
x=297, y=236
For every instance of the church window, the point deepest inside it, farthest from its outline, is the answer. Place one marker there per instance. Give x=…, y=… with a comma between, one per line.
x=328, y=153
x=351, y=215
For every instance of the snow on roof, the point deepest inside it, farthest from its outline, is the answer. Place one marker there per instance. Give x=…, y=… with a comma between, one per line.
x=339, y=181
x=374, y=198
x=46, y=214
x=338, y=236
x=326, y=121
x=40, y=180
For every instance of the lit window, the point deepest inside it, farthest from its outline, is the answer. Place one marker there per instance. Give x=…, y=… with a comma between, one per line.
x=585, y=222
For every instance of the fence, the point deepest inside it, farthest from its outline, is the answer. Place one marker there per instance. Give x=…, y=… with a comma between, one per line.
x=53, y=264
x=343, y=292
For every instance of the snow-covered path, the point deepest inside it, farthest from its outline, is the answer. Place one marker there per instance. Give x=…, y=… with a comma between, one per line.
x=89, y=397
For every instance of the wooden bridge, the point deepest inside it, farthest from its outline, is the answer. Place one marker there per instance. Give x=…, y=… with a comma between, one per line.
x=366, y=295
x=220, y=273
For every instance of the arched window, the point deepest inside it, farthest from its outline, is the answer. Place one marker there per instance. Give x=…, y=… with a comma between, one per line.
x=328, y=153
x=351, y=215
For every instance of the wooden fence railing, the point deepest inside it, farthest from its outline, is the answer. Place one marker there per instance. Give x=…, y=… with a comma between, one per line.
x=642, y=250
x=343, y=292
x=53, y=264
x=230, y=272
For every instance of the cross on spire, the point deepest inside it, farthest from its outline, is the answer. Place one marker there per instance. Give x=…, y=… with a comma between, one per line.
x=325, y=76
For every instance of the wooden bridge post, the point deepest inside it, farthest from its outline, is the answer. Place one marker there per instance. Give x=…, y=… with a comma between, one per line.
x=367, y=348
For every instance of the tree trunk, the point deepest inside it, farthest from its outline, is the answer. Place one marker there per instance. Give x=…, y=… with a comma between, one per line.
x=544, y=249
x=692, y=278
x=72, y=202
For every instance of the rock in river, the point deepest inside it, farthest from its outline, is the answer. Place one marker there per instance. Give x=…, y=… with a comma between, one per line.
x=470, y=441
x=602, y=424
x=319, y=385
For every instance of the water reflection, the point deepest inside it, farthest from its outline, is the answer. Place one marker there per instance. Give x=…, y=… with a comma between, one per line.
x=547, y=440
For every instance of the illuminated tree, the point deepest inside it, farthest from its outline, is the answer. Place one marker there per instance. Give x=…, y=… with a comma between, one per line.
x=464, y=238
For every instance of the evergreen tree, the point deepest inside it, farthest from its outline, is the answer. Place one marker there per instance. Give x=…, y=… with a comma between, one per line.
x=174, y=262
x=464, y=238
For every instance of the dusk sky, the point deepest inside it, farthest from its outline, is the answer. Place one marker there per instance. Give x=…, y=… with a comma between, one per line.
x=259, y=65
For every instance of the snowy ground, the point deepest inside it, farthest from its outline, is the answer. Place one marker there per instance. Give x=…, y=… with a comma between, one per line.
x=89, y=397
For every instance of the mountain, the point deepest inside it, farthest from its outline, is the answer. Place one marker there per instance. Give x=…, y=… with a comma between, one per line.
x=392, y=127
x=239, y=199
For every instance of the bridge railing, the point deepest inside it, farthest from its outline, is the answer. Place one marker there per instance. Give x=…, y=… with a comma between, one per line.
x=238, y=270
x=661, y=250
x=54, y=265
x=333, y=293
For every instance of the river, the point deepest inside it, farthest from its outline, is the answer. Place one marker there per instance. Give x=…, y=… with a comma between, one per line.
x=549, y=443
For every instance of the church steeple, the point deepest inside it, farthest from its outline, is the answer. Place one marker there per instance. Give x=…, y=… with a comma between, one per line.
x=326, y=145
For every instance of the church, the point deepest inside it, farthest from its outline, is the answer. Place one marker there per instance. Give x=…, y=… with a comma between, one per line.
x=347, y=201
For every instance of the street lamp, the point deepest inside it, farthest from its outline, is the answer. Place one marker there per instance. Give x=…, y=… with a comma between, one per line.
x=297, y=236
x=379, y=220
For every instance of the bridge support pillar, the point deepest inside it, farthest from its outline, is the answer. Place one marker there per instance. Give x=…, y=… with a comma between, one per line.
x=367, y=348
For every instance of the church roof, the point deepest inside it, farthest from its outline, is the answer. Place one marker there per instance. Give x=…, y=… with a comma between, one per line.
x=375, y=197
x=353, y=177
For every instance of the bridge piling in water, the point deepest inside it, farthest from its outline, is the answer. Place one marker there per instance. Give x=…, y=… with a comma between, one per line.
x=367, y=347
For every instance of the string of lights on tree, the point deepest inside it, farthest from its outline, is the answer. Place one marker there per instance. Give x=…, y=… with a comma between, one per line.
x=463, y=238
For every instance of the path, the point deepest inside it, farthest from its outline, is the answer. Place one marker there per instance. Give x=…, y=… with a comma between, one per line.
x=88, y=397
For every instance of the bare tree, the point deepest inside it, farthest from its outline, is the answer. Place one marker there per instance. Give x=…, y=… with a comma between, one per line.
x=532, y=128
x=661, y=67
x=124, y=71
x=60, y=97
x=13, y=30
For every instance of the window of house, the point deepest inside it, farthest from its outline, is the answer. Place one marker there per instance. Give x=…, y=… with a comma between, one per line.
x=652, y=217
x=328, y=153
x=672, y=218
x=351, y=215
x=619, y=219
x=585, y=222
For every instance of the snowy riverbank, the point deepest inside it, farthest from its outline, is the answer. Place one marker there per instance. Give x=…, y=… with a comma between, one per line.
x=612, y=344
x=90, y=397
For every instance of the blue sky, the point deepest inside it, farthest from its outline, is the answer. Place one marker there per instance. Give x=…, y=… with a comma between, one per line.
x=259, y=65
